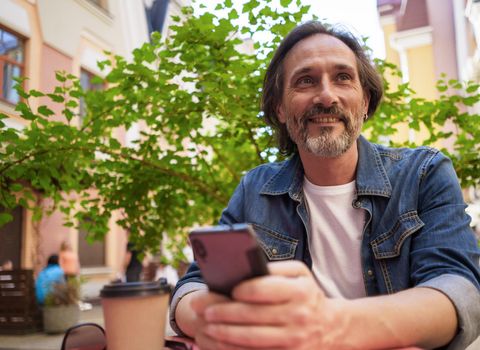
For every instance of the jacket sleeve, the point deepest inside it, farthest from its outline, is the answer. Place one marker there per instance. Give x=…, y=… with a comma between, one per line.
x=451, y=264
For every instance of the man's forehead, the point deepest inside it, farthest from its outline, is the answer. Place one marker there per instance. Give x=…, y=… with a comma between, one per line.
x=324, y=39
x=322, y=46
x=325, y=43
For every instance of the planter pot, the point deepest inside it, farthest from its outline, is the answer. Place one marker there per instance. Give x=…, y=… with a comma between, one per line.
x=57, y=319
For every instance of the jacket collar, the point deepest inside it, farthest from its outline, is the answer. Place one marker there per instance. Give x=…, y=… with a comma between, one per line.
x=371, y=176
x=288, y=179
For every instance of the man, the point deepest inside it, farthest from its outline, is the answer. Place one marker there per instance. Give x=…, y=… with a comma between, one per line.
x=68, y=260
x=384, y=256
x=51, y=274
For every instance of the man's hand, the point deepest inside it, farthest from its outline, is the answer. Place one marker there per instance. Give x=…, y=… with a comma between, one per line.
x=288, y=310
x=190, y=310
x=284, y=310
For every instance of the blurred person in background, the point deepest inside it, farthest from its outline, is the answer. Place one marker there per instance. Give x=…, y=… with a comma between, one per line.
x=132, y=264
x=68, y=260
x=70, y=264
x=52, y=273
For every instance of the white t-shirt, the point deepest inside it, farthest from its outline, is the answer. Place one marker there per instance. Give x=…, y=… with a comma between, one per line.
x=334, y=239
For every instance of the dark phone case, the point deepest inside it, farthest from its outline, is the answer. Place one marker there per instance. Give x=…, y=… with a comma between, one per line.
x=227, y=255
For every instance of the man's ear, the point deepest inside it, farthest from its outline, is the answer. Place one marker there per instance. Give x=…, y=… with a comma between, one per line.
x=281, y=114
x=366, y=103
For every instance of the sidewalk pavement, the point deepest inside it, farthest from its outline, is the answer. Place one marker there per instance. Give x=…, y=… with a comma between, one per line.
x=43, y=341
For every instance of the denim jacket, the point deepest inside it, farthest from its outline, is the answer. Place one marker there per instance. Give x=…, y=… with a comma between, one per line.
x=416, y=232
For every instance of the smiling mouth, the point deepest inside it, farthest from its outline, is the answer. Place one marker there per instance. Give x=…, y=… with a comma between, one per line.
x=321, y=120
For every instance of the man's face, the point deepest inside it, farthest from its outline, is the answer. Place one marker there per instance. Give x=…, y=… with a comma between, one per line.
x=323, y=102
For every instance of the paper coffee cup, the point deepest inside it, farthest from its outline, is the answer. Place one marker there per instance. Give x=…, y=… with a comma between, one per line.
x=135, y=314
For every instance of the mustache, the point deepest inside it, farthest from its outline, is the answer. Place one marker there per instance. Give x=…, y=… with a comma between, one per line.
x=320, y=109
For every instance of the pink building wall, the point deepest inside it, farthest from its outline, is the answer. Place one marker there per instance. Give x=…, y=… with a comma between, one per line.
x=440, y=14
x=51, y=61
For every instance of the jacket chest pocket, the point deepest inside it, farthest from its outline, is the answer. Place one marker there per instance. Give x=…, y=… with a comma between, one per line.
x=275, y=245
x=389, y=244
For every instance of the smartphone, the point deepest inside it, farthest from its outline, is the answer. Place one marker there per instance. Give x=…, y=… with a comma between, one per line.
x=227, y=255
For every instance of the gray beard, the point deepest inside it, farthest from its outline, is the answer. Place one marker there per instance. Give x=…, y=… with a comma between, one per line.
x=324, y=145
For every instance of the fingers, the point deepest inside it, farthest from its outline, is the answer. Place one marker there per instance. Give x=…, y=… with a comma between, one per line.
x=202, y=299
x=281, y=315
x=288, y=280
x=242, y=313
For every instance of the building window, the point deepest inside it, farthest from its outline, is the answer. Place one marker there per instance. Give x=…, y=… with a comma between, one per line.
x=90, y=254
x=87, y=84
x=156, y=14
x=12, y=51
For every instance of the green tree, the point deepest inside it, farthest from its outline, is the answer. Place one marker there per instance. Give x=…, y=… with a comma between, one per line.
x=446, y=120
x=197, y=96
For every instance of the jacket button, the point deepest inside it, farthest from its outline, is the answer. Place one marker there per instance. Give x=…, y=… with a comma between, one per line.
x=274, y=251
x=370, y=273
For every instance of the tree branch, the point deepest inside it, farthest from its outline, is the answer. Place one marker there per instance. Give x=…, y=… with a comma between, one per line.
x=200, y=185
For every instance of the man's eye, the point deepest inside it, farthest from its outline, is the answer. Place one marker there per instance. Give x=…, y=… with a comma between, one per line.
x=305, y=81
x=344, y=76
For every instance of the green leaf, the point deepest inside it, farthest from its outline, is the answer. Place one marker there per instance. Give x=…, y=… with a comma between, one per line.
x=249, y=6
x=75, y=93
x=44, y=110
x=16, y=187
x=5, y=218
x=115, y=144
x=72, y=104
x=56, y=98
x=60, y=77
x=233, y=14
x=68, y=114
x=442, y=88
x=36, y=93
x=25, y=111
x=97, y=80
x=9, y=135
x=472, y=88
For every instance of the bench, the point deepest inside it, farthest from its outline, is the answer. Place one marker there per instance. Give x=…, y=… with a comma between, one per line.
x=19, y=312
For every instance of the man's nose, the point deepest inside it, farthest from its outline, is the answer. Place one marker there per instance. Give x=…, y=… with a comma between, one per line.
x=325, y=95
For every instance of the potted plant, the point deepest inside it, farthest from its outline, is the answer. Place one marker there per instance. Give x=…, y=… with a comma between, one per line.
x=61, y=309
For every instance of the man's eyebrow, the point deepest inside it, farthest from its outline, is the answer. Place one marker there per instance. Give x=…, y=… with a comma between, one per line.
x=342, y=66
x=338, y=66
x=302, y=70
